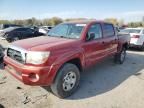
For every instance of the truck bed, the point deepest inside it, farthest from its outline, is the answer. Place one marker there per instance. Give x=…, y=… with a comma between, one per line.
x=123, y=37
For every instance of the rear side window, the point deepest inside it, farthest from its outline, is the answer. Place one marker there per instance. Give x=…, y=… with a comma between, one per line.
x=108, y=30
x=21, y=29
x=30, y=30
x=96, y=29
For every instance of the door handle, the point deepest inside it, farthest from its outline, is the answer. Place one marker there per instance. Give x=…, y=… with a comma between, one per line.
x=103, y=42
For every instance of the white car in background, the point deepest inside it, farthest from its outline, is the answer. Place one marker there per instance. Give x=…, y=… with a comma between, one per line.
x=45, y=29
x=137, y=37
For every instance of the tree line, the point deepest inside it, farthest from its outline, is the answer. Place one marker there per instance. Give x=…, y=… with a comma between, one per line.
x=56, y=20
x=34, y=22
x=121, y=23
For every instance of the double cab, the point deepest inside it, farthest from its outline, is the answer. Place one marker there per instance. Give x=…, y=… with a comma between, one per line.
x=58, y=60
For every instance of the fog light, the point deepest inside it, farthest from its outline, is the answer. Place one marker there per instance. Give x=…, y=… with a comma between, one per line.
x=33, y=77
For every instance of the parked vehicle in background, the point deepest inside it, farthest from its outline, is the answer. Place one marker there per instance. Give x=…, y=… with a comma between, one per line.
x=1, y=53
x=57, y=60
x=45, y=29
x=18, y=33
x=3, y=32
x=4, y=26
x=137, y=37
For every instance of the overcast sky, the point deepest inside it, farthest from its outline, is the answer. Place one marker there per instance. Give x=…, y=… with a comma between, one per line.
x=129, y=10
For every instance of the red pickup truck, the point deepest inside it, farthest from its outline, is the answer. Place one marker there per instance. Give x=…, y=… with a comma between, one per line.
x=57, y=60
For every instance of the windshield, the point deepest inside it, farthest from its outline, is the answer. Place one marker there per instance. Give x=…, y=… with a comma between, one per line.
x=72, y=31
x=9, y=29
x=131, y=30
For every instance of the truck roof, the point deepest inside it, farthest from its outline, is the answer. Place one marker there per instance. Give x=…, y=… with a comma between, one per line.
x=84, y=21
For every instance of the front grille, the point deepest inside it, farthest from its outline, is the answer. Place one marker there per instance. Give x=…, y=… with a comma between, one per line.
x=15, y=55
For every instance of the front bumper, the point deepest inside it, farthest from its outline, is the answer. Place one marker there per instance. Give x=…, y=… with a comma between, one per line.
x=31, y=75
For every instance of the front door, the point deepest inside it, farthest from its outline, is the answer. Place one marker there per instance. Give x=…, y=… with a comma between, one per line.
x=96, y=48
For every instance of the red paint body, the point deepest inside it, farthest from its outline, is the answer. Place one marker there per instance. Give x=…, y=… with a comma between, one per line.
x=63, y=50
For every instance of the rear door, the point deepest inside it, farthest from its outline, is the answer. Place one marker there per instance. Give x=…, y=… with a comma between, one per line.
x=26, y=32
x=94, y=49
x=29, y=32
x=20, y=32
x=111, y=39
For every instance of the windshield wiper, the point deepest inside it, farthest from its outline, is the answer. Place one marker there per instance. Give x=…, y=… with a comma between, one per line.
x=60, y=36
x=50, y=35
x=63, y=36
x=57, y=36
x=66, y=37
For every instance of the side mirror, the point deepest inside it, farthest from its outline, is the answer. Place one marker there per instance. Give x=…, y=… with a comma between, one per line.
x=90, y=36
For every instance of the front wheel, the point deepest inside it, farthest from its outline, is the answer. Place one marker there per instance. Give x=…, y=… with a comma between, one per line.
x=66, y=81
x=16, y=39
x=120, y=57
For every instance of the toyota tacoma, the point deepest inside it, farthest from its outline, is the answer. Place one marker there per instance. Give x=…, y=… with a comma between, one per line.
x=58, y=60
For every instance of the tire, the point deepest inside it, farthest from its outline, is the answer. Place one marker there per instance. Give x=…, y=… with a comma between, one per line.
x=9, y=40
x=61, y=87
x=142, y=48
x=15, y=39
x=1, y=60
x=120, y=58
x=16, y=36
x=6, y=35
x=1, y=55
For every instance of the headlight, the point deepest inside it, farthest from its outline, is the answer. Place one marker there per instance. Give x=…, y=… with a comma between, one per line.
x=34, y=57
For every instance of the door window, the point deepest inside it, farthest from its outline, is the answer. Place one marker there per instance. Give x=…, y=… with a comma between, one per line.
x=108, y=30
x=96, y=30
x=21, y=29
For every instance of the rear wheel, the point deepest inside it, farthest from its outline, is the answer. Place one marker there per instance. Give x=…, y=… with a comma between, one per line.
x=15, y=38
x=1, y=55
x=1, y=59
x=66, y=81
x=120, y=58
x=142, y=47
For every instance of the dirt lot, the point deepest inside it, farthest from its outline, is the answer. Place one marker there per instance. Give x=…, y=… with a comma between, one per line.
x=106, y=85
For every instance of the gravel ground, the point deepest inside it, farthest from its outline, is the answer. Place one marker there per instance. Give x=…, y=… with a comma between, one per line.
x=106, y=85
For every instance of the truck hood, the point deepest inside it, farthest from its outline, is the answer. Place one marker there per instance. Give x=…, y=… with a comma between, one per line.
x=38, y=41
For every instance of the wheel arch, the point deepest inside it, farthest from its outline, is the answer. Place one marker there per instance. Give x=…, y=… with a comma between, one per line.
x=125, y=45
